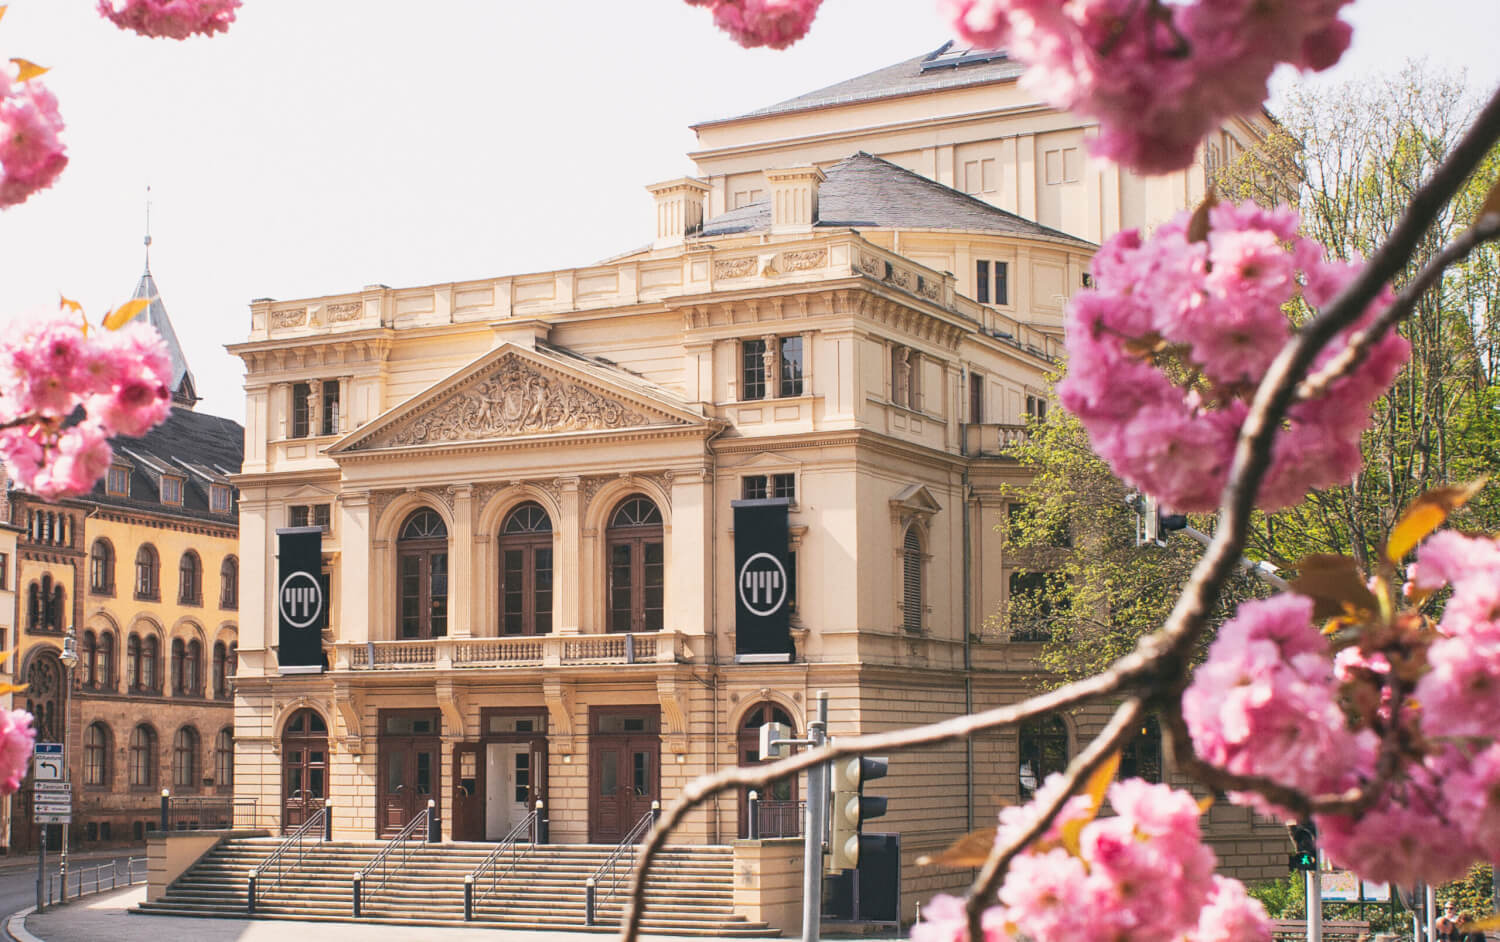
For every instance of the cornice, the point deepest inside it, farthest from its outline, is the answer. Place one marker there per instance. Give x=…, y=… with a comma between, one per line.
x=546, y=440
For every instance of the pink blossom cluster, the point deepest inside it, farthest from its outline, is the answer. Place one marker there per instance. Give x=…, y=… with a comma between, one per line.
x=773, y=23
x=1167, y=348
x=31, y=153
x=63, y=394
x=1142, y=874
x=1270, y=702
x=170, y=19
x=17, y=735
x=1158, y=75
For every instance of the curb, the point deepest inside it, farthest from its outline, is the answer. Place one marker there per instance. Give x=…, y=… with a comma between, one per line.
x=15, y=926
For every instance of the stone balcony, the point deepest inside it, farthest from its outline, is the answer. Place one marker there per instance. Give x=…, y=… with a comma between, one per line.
x=993, y=439
x=529, y=652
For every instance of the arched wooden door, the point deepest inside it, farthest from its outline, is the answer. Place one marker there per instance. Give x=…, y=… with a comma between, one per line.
x=780, y=811
x=304, y=768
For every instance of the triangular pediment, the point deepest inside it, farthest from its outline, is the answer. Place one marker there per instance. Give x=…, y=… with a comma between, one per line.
x=514, y=392
x=915, y=499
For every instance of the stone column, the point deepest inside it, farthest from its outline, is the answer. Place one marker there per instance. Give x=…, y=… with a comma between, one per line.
x=461, y=566
x=568, y=575
x=356, y=581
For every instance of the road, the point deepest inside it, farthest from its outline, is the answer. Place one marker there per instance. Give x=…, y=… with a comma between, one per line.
x=18, y=877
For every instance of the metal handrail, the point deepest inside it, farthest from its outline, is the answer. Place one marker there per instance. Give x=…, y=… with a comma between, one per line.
x=57, y=890
x=610, y=868
x=278, y=857
x=526, y=827
x=383, y=859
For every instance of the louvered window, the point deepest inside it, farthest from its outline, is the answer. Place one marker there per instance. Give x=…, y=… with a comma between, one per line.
x=911, y=581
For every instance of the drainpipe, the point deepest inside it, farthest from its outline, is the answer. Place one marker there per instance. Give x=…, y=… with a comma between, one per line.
x=968, y=583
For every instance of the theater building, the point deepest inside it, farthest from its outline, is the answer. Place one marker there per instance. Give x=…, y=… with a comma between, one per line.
x=534, y=497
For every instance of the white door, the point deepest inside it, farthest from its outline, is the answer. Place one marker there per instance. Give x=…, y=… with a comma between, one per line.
x=507, y=787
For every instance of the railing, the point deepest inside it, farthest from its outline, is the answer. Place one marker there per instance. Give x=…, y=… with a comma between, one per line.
x=509, y=851
x=776, y=818
x=993, y=439
x=211, y=813
x=611, y=870
x=83, y=881
x=392, y=857
x=516, y=652
x=285, y=858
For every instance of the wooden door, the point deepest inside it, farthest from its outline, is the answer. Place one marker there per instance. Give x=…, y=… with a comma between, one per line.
x=409, y=779
x=468, y=793
x=304, y=768
x=624, y=778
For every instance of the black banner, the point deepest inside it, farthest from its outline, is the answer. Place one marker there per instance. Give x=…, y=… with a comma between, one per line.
x=301, y=600
x=763, y=581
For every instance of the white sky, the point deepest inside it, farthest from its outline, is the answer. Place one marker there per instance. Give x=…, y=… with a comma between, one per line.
x=322, y=145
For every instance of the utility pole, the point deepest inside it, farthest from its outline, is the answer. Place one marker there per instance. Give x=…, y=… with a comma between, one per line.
x=812, y=851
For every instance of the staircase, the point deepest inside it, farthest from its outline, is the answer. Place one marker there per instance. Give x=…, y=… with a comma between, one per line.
x=690, y=892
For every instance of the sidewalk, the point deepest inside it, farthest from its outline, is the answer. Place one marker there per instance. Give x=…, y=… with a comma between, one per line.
x=105, y=918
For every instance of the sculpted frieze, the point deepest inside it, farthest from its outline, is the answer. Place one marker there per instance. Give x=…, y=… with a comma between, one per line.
x=281, y=320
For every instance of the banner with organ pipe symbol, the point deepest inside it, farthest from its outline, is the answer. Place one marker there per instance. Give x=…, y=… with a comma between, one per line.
x=301, y=600
x=764, y=581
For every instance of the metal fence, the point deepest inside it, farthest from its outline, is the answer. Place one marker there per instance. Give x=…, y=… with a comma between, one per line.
x=211, y=813
x=778, y=818
x=86, y=881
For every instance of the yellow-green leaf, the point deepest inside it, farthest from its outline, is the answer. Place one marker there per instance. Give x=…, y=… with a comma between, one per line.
x=971, y=850
x=1094, y=788
x=28, y=69
x=121, y=315
x=1197, y=230
x=1335, y=585
x=1491, y=202
x=1426, y=514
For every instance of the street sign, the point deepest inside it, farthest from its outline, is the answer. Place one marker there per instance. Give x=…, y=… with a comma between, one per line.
x=53, y=786
x=54, y=819
x=47, y=762
x=52, y=807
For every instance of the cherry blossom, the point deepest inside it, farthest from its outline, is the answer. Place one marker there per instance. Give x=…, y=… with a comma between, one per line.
x=1167, y=348
x=17, y=735
x=31, y=153
x=170, y=19
x=773, y=23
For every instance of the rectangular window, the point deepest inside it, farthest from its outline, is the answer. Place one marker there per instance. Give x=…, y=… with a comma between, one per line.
x=301, y=396
x=784, y=485
x=4, y=570
x=310, y=515
x=991, y=282
x=982, y=281
x=322, y=516
x=219, y=498
x=330, y=411
x=118, y=481
x=1002, y=282
x=1036, y=408
x=976, y=398
x=753, y=369
x=791, y=367
x=754, y=487
x=171, y=490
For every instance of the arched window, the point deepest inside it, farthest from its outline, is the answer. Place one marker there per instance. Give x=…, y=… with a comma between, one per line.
x=96, y=755
x=911, y=580
x=44, y=691
x=224, y=759
x=50, y=604
x=526, y=571
x=143, y=756
x=185, y=759
x=106, y=660
x=304, y=767
x=1043, y=751
x=190, y=579
x=88, y=660
x=221, y=671
x=151, y=665
x=229, y=583
x=779, y=808
x=422, y=570
x=102, y=568
x=133, y=663
x=179, y=655
x=1141, y=756
x=636, y=566
x=192, y=669
x=147, y=581
x=33, y=607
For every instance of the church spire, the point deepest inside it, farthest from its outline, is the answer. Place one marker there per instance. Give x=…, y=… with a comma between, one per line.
x=184, y=390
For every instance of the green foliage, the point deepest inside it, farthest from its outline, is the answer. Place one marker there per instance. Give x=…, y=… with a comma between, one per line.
x=1283, y=898
x=1473, y=893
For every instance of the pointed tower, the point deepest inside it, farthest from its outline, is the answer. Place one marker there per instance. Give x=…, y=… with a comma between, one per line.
x=184, y=390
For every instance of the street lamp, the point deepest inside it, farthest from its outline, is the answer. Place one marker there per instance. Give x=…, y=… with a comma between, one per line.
x=69, y=658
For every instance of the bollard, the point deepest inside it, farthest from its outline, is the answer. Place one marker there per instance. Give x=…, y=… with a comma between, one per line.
x=588, y=901
x=327, y=819
x=543, y=826
x=753, y=830
x=250, y=893
x=356, y=896
x=468, y=897
x=434, y=823
x=166, y=799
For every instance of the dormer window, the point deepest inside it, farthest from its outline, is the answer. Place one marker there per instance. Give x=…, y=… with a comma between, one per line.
x=117, y=482
x=219, y=498
x=171, y=489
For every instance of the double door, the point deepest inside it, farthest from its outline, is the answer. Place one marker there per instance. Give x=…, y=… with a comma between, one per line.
x=495, y=786
x=410, y=772
x=624, y=772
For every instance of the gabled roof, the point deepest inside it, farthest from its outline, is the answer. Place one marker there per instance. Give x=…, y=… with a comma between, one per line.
x=202, y=449
x=948, y=66
x=865, y=192
x=184, y=390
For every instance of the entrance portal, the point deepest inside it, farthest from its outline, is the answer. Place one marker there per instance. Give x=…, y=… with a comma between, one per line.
x=512, y=770
x=624, y=769
x=410, y=751
x=304, y=768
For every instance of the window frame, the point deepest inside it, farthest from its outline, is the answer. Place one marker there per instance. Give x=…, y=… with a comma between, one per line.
x=187, y=754
x=229, y=583
x=532, y=542
x=143, y=757
x=96, y=756
x=147, y=574
x=224, y=761
x=102, y=567
x=913, y=579
x=423, y=551
x=190, y=579
x=638, y=538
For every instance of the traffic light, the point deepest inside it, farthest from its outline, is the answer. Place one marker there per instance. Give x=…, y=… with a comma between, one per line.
x=851, y=807
x=1305, y=839
x=1153, y=525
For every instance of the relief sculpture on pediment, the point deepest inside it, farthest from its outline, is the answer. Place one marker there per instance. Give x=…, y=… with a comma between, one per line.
x=515, y=399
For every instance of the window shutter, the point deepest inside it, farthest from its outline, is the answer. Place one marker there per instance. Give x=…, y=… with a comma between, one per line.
x=911, y=581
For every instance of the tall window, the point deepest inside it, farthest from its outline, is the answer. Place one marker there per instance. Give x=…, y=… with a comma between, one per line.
x=768, y=361
x=106, y=674
x=636, y=566
x=906, y=374
x=976, y=398
x=147, y=573
x=96, y=755
x=229, y=583
x=984, y=282
x=221, y=671
x=143, y=756
x=911, y=580
x=133, y=662
x=224, y=759
x=301, y=410
x=185, y=759
x=526, y=572
x=187, y=667
x=190, y=579
x=1141, y=756
x=1043, y=751
x=102, y=568
x=422, y=571
x=328, y=415
x=151, y=664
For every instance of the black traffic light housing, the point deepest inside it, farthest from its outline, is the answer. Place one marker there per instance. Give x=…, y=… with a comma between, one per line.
x=851, y=807
x=1305, y=838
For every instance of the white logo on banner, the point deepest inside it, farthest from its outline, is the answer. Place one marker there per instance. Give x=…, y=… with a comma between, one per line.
x=762, y=584
x=301, y=599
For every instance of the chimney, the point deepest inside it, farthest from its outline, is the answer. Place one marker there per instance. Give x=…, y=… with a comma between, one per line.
x=794, y=198
x=679, y=209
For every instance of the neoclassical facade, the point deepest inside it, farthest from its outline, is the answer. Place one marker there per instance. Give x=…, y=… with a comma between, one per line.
x=526, y=487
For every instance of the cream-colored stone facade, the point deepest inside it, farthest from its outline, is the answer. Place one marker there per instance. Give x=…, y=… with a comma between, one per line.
x=580, y=390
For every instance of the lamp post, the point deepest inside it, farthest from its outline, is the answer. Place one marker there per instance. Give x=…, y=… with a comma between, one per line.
x=69, y=658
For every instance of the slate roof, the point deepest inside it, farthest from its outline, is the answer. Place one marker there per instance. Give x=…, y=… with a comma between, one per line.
x=155, y=314
x=948, y=66
x=866, y=192
x=203, y=449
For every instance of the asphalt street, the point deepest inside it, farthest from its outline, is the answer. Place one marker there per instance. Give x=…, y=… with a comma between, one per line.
x=18, y=875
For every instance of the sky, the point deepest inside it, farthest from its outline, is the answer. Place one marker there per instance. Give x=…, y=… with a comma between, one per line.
x=323, y=145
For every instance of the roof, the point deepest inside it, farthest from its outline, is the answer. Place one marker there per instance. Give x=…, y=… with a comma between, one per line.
x=867, y=192
x=201, y=449
x=948, y=66
x=184, y=390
